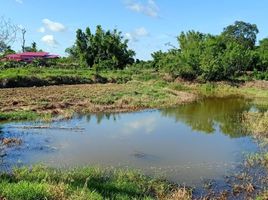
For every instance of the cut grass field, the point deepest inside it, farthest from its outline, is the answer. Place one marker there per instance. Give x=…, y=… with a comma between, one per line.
x=40, y=182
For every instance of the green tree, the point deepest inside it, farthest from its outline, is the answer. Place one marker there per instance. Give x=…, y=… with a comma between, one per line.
x=236, y=59
x=211, y=66
x=191, y=48
x=104, y=49
x=242, y=33
x=32, y=48
x=263, y=55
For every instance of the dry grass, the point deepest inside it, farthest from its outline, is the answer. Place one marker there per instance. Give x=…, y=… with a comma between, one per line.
x=180, y=194
x=257, y=123
x=263, y=196
x=64, y=100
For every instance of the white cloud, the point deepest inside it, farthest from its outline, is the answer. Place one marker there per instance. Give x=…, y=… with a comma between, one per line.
x=137, y=34
x=53, y=26
x=49, y=40
x=41, y=30
x=19, y=1
x=150, y=8
x=145, y=125
x=142, y=32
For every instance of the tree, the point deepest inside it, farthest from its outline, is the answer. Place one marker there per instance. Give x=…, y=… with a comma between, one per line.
x=191, y=48
x=242, y=33
x=8, y=32
x=236, y=59
x=263, y=55
x=72, y=52
x=102, y=49
x=32, y=48
x=211, y=60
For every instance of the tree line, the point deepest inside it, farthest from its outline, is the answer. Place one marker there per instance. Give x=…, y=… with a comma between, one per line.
x=198, y=56
x=215, y=57
x=207, y=57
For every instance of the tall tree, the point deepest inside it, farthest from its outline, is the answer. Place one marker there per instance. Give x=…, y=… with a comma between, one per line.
x=241, y=32
x=191, y=48
x=106, y=48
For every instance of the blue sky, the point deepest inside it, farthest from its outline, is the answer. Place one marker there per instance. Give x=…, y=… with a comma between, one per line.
x=149, y=24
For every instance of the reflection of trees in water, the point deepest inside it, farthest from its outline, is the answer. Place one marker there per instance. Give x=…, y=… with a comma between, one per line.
x=101, y=116
x=206, y=114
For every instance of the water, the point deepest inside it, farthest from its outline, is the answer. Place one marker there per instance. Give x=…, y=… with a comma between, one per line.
x=186, y=144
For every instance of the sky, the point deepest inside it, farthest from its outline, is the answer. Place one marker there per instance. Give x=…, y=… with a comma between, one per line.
x=150, y=25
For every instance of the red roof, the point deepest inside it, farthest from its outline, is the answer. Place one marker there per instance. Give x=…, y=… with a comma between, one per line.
x=28, y=56
x=34, y=54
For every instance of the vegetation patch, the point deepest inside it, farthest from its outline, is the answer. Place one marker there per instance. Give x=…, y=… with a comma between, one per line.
x=257, y=123
x=40, y=182
x=63, y=100
x=18, y=115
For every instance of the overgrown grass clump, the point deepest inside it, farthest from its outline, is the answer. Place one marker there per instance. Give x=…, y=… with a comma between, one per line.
x=18, y=115
x=41, y=182
x=257, y=123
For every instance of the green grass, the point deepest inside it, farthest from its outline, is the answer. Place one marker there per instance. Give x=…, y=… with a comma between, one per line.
x=43, y=76
x=41, y=182
x=18, y=115
x=222, y=90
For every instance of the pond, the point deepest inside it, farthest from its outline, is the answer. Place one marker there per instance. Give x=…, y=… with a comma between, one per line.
x=186, y=144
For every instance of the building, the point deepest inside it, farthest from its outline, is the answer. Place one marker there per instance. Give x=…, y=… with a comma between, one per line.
x=29, y=56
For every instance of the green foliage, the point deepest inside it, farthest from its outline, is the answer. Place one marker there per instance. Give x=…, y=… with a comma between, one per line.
x=191, y=46
x=262, y=51
x=104, y=49
x=83, y=183
x=11, y=64
x=18, y=115
x=242, y=33
x=32, y=48
x=214, y=58
x=24, y=190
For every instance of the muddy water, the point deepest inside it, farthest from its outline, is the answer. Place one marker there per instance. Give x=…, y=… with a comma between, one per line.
x=187, y=144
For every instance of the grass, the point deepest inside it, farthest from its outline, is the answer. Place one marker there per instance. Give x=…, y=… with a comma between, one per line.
x=45, y=76
x=257, y=123
x=131, y=96
x=18, y=115
x=41, y=182
x=60, y=100
x=222, y=89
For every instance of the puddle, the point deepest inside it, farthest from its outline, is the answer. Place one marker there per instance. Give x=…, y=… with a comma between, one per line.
x=187, y=144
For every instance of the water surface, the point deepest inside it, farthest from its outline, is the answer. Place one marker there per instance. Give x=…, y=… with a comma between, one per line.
x=186, y=144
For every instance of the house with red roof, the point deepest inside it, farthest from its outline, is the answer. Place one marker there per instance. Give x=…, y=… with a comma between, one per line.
x=29, y=56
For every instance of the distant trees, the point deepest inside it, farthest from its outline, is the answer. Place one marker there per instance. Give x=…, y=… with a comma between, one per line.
x=32, y=48
x=221, y=57
x=104, y=49
x=262, y=52
x=199, y=56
